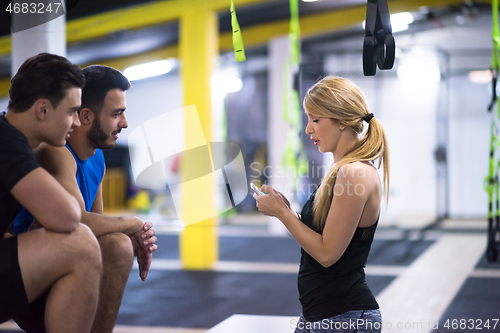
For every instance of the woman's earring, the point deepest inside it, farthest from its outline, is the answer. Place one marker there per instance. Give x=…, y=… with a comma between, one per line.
x=342, y=128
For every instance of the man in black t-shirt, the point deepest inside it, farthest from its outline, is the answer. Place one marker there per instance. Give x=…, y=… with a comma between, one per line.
x=62, y=259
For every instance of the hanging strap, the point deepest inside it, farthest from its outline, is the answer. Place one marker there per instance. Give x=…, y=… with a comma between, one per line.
x=495, y=59
x=495, y=56
x=239, y=49
x=294, y=155
x=379, y=46
x=295, y=31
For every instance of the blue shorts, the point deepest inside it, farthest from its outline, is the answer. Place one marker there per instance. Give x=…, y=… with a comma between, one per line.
x=355, y=321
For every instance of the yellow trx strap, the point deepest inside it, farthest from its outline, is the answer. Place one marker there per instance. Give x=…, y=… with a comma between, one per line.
x=239, y=50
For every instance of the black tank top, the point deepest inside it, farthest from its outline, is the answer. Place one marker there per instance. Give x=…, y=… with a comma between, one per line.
x=329, y=291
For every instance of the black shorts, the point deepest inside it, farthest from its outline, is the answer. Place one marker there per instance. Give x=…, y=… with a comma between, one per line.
x=13, y=299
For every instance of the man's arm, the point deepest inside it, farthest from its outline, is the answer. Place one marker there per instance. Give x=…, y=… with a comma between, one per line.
x=143, y=241
x=48, y=201
x=60, y=163
x=98, y=206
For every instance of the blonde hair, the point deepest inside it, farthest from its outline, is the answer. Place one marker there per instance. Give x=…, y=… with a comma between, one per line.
x=341, y=100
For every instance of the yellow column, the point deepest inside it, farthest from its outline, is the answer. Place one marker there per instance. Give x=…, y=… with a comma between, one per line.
x=198, y=49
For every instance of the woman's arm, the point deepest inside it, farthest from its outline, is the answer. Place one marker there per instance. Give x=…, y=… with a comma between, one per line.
x=352, y=190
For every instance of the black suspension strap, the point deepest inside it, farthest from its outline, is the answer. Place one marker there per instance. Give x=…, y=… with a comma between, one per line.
x=379, y=46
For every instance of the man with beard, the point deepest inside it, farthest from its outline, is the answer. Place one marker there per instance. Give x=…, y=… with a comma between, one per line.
x=102, y=119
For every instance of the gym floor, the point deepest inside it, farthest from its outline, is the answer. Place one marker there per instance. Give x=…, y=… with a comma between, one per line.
x=433, y=281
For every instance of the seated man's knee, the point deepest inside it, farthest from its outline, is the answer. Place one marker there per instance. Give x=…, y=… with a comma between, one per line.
x=85, y=247
x=117, y=248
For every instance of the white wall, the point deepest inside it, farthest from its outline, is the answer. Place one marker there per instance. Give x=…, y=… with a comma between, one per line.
x=149, y=98
x=469, y=147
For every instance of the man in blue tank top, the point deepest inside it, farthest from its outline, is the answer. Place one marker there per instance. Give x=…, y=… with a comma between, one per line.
x=102, y=119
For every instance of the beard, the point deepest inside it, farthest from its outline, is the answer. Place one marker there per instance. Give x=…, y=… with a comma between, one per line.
x=97, y=137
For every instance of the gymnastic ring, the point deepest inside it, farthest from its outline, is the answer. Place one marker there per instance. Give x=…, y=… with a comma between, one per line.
x=386, y=53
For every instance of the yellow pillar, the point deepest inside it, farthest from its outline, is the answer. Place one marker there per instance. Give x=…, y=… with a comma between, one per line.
x=198, y=49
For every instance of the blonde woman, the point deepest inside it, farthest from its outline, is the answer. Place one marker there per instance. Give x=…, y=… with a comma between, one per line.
x=338, y=222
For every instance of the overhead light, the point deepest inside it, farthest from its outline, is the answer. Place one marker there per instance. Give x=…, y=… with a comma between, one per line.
x=419, y=73
x=480, y=77
x=399, y=21
x=226, y=83
x=149, y=69
x=309, y=0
